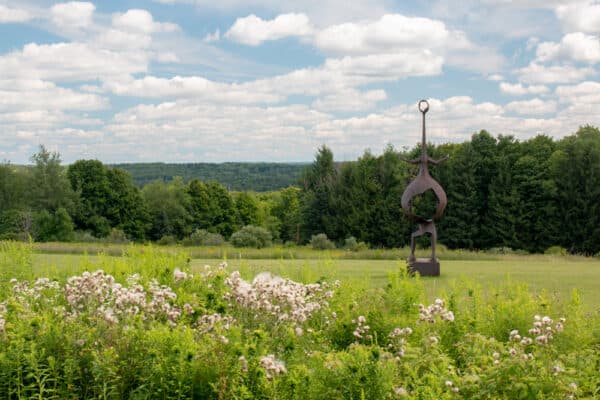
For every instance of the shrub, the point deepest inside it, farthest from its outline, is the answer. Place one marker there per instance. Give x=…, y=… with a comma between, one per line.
x=251, y=236
x=353, y=245
x=117, y=236
x=321, y=242
x=556, y=251
x=167, y=240
x=202, y=237
x=53, y=227
x=85, y=237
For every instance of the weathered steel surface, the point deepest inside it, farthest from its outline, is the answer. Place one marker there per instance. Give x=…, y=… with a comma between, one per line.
x=421, y=184
x=425, y=267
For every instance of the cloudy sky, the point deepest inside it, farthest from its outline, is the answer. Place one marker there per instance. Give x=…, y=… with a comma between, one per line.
x=271, y=80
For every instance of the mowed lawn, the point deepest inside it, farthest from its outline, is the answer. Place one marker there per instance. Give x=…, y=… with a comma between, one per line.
x=558, y=276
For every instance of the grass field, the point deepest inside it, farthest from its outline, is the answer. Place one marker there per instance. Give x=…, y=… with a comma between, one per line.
x=556, y=276
x=156, y=321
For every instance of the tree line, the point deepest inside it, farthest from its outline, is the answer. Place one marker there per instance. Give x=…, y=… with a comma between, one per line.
x=237, y=176
x=502, y=192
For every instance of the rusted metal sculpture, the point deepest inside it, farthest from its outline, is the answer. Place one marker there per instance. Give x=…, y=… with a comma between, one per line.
x=421, y=184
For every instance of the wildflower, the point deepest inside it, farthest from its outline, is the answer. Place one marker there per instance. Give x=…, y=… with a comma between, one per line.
x=272, y=366
x=448, y=383
x=243, y=363
x=400, y=391
x=433, y=340
x=496, y=355
x=557, y=369
x=179, y=275
x=429, y=313
x=454, y=389
x=279, y=298
x=559, y=327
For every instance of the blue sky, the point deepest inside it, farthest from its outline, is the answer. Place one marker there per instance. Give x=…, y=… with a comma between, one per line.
x=268, y=80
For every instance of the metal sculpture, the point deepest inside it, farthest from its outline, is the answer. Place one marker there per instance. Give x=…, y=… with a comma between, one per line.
x=421, y=184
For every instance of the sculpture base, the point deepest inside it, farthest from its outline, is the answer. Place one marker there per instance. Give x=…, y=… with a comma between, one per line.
x=424, y=266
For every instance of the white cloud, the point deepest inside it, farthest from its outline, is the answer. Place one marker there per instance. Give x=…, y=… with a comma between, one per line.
x=335, y=76
x=70, y=62
x=495, y=77
x=36, y=94
x=350, y=100
x=575, y=46
x=197, y=87
x=517, y=89
x=349, y=72
x=116, y=39
x=390, y=33
x=323, y=12
x=136, y=20
x=11, y=15
x=212, y=37
x=536, y=73
x=73, y=15
x=583, y=93
x=204, y=130
x=581, y=16
x=534, y=106
x=252, y=30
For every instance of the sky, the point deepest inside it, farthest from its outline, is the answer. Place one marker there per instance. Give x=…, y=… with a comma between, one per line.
x=271, y=80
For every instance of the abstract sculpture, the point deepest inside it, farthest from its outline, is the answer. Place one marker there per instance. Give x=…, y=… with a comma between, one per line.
x=421, y=184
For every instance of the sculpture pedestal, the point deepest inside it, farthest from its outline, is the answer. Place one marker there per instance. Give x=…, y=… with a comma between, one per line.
x=424, y=266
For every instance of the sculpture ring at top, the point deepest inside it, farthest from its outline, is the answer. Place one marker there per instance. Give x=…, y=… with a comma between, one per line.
x=424, y=182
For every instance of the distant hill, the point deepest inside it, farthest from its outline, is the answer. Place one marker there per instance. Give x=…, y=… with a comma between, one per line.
x=260, y=177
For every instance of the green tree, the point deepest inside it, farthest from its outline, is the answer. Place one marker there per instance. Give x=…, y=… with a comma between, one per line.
x=287, y=211
x=246, y=209
x=574, y=168
x=126, y=209
x=12, y=188
x=317, y=202
x=49, y=188
x=169, y=207
x=211, y=207
x=88, y=178
x=56, y=226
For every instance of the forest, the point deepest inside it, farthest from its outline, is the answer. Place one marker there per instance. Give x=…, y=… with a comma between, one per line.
x=525, y=195
x=260, y=177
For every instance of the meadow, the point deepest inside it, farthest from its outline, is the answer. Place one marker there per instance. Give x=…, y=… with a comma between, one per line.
x=158, y=322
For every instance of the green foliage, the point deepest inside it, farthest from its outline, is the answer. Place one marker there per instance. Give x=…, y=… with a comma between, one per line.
x=321, y=242
x=236, y=176
x=251, y=236
x=502, y=194
x=56, y=227
x=287, y=211
x=49, y=188
x=211, y=207
x=202, y=237
x=246, y=209
x=317, y=203
x=169, y=206
x=350, y=243
x=207, y=333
